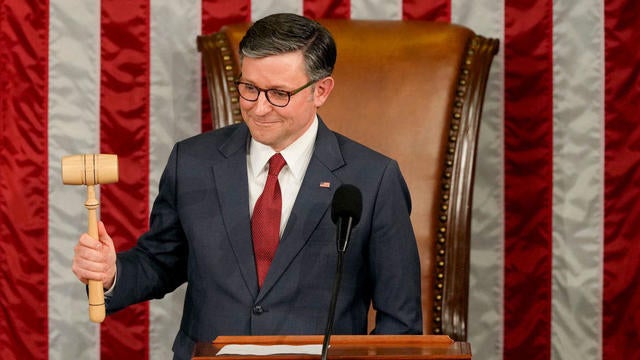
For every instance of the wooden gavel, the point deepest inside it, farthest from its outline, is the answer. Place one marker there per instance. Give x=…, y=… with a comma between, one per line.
x=90, y=170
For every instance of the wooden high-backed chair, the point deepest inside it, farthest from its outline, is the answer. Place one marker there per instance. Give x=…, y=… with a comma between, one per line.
x=413, y=91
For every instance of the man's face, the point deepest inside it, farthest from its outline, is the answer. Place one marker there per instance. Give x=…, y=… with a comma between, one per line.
x=275, y=126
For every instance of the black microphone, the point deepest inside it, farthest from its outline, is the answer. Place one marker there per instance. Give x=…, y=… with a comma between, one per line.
x=346, y=209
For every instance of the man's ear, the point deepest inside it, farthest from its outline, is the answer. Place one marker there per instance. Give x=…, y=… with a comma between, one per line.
x=322, y=90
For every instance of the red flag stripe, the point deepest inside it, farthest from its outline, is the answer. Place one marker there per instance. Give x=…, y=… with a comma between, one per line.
x=621, y=298
x=328, y=9
x=215, y=14
x=528, y=179
x=124, y=122
x=439, y=10
x=24, y=264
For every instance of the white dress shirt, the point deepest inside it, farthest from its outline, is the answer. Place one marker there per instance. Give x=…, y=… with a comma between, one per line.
x=297, y=155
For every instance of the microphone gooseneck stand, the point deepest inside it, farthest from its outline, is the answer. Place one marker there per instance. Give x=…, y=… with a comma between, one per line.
x=332, y=307
x=342, y=248
x=346, y=209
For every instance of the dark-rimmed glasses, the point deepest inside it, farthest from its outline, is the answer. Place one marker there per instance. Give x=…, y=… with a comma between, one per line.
x=275, y=97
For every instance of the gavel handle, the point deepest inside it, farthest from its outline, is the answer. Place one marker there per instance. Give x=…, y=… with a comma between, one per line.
x=97, y=311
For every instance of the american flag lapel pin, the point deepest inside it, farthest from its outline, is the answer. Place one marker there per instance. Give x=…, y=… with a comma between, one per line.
x=325, y=184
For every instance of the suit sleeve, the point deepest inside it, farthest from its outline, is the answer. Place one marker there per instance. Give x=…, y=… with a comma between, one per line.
x=394, y=260
x=156, y=265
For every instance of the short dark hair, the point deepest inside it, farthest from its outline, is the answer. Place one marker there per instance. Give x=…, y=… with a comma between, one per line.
x=282, y=33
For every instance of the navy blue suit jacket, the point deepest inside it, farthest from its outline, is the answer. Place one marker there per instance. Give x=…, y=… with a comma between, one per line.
x=200, y=233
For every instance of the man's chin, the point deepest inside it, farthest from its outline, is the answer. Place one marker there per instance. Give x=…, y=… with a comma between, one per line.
x=262, y=136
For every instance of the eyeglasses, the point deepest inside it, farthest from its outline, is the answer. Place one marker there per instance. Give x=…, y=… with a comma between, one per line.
x=275, y=97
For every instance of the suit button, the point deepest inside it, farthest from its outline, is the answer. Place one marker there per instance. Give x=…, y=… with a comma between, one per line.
x=258, y=310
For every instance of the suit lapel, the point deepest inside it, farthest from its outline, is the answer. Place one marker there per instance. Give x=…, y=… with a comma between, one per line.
x=311, y=204
x=231, y=184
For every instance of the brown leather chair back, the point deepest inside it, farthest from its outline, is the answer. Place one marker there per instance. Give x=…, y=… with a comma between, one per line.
x=413, y=91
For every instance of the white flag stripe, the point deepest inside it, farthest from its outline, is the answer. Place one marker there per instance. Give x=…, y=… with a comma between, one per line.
x=74, y=52
x=262, y=8
x=485, y=328
x=376, y=9
x=174, y=114
x=578, y=179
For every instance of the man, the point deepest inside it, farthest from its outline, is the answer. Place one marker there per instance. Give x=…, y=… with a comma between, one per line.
x=207, y=223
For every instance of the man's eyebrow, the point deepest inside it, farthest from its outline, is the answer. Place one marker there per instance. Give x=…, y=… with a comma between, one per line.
x=272, y=87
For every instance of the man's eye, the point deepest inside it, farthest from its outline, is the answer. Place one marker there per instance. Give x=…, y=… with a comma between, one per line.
x=280, y=94
x=250, y=87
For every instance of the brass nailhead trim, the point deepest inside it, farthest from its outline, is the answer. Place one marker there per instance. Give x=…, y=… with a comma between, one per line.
x=222, y=43
x=447, y=171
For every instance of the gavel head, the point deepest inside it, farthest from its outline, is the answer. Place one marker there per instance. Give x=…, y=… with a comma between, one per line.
x=90, y=169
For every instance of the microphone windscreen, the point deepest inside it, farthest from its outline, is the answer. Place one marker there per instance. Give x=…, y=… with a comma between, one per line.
x=347, y=202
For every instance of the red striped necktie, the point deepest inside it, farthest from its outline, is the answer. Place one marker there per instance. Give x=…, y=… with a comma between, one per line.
x=265, y=222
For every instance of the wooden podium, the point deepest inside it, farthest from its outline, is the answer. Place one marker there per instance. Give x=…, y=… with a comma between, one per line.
x=353, y=347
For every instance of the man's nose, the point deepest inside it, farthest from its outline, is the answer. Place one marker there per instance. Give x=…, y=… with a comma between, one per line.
x=263, y=105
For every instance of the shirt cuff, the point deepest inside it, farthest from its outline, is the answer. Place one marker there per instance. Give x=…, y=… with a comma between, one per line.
x=110, y=290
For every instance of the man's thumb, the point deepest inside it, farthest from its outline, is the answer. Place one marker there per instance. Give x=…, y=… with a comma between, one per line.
x=103, y=235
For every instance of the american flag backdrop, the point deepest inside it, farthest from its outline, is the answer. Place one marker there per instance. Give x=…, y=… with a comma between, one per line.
x=555, y=259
